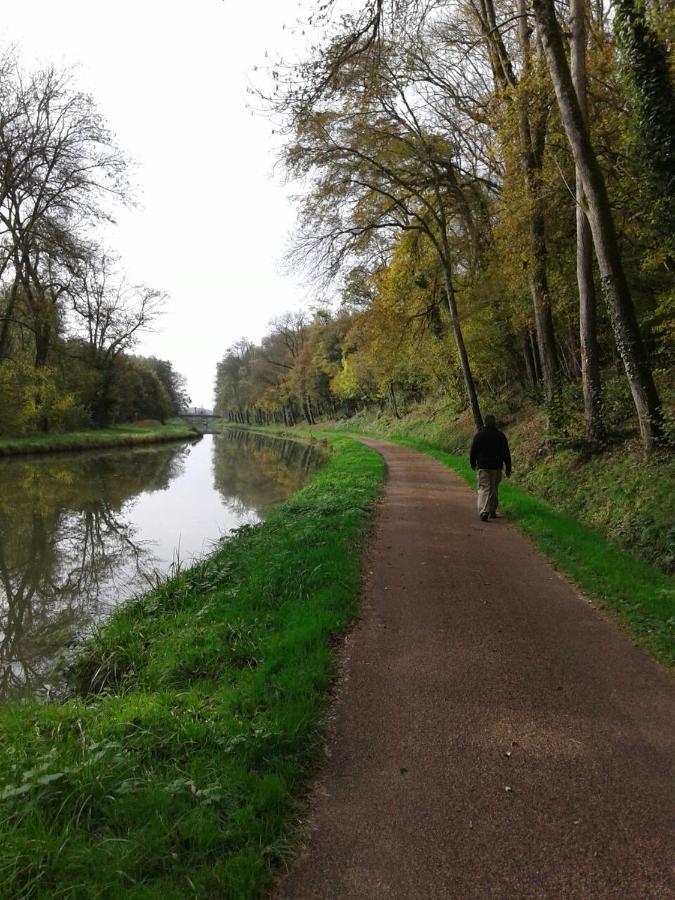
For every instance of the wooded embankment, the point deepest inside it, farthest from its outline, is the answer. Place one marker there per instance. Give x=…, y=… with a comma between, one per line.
x=619, y=493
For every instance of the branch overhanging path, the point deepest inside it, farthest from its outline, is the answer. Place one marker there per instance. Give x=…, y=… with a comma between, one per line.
x=493, y=735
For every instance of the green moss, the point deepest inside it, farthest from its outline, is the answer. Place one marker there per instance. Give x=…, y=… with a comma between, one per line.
x=177, y=767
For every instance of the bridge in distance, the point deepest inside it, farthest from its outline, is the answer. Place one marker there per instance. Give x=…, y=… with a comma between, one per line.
x=204, y=421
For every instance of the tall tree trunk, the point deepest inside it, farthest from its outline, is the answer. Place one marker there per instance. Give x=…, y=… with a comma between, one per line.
x=615, y=285
x=43, y=334
x=292, y=418
x=6, y=320
x=590, y=366
x=645, y=65
x=101, y=405
x=528, y=356
x=44, y=320
x=541, y=300
x=469, y=385
x=392, y=400
x=532, y=140
x=535, y=356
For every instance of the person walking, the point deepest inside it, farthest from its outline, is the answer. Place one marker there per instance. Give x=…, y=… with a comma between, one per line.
x=489, y=454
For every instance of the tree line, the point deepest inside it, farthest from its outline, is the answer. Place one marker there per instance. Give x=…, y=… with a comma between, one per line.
x=69, y=316
x=490, y=187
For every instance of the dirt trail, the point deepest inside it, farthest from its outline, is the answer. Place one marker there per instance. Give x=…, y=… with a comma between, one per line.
x=493, y=735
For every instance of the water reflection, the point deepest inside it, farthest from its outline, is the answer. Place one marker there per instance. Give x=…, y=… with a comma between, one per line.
x=80, y=533
x=255, y=472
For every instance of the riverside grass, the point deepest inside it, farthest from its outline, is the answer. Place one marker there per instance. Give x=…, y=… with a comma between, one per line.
x=177, y=768
x=114, y=436
x=96, y=439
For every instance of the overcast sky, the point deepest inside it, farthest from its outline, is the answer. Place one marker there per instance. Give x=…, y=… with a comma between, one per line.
x=170, y=77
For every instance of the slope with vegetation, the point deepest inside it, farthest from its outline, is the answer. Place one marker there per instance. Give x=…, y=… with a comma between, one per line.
x=619, y=494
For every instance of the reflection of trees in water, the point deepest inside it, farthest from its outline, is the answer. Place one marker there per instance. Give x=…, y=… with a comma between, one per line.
x=94, y=544
x=63, y=546
x=67, y=551
x=254, y=472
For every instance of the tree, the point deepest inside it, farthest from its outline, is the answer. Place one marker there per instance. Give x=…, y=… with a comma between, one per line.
x=60, y=168
x=651, y=97
x=290, y=331
x=108, y=314
x=438, y=202
x=590, y=363
x=615, y=285
x=378, y=171
x=523, y=99
x=173, y=382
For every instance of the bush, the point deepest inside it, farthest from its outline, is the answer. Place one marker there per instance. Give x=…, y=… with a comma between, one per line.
x=32, y=400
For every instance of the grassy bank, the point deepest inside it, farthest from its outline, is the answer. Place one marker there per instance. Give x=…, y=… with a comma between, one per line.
x=115, y=436
x=176, y=768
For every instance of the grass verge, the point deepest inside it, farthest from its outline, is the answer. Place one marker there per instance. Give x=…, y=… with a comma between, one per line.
x=640, y=596
x=115, y=436
x=177, y=767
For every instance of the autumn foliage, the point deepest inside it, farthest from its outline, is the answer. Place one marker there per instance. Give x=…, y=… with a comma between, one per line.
x=441, y=153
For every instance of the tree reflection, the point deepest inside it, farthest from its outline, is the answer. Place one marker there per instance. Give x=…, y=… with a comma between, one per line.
x=66, y=552
x=69, y=551
x=254, y=472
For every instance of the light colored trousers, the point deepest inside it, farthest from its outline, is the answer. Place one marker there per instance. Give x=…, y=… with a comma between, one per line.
x=488, y=484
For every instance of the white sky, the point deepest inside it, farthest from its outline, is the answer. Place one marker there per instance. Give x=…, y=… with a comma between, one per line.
x=170, y=77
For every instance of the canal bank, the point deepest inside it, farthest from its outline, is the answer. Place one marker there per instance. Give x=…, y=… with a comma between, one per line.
x=178, y=764
x=115, y=436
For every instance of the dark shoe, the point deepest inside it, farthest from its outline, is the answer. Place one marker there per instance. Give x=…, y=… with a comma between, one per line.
x=483, y=517
x=493, y=515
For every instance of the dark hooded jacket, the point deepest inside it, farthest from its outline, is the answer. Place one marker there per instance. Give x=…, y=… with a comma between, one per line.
x=490, y=450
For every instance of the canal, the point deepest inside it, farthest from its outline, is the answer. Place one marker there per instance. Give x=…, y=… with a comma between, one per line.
x=83, y=532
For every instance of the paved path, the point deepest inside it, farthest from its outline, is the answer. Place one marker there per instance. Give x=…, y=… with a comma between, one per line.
x=493, y=735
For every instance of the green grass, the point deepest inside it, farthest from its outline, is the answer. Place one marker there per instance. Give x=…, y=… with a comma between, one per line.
x=619, y=494
x=641, y=597
x=178, y=767
x=115, y=436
